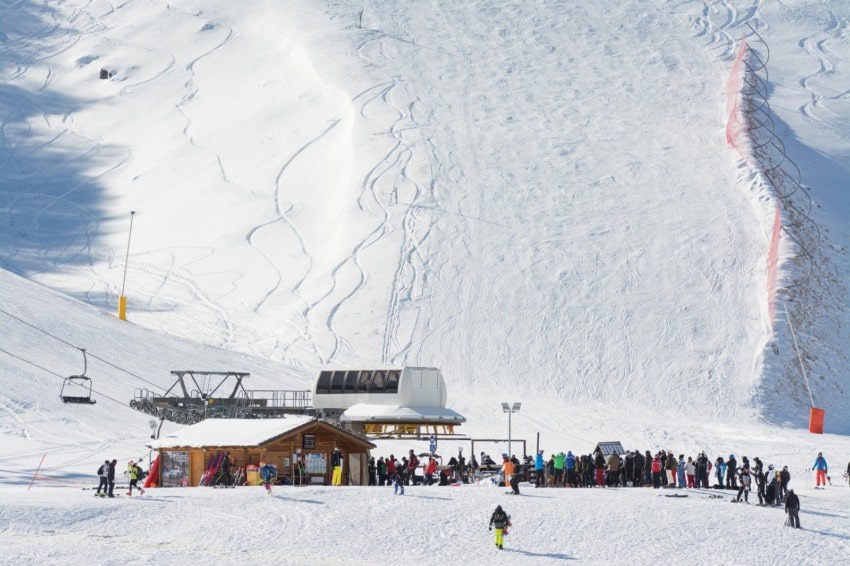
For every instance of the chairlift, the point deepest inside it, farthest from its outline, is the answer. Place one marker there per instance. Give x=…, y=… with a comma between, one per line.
x=77, y=388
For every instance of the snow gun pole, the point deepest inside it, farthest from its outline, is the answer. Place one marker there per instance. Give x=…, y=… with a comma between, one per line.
x=122, y=299
x=35, y=475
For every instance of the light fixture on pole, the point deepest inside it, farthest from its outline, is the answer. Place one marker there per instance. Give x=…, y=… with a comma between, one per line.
x=122, y=299
x=510, y=409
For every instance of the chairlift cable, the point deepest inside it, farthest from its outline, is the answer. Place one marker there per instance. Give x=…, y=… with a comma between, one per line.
x=60, y=376
x=119, y=368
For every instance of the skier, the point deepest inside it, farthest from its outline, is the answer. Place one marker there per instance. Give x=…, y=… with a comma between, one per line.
x=103, y=482
x=336, y=465
x=267, y=473
x=110, y=476
x=691, y=472
x=398, y=482
x=822, y=468
x=570, y=467
x=559, y=468
x=761, y=480
x=680, y=472
x=382, y=471
x=671, y=466
x=373, y=472
x=133, y=472
x=647, y=469
x=539, y=465
x=792, y=507
x=784, y=480
x=614, y=470
x=600, y=469
x=501, y=521
x=430, y=470
x=637, y=477
x=744, y=485
x=507, y=470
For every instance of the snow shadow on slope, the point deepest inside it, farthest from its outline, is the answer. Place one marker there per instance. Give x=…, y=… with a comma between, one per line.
x=51, y=201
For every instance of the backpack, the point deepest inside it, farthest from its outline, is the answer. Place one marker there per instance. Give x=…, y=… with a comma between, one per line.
x=101, y=471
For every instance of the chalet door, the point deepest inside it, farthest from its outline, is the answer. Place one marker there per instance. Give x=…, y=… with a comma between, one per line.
x=196, y=465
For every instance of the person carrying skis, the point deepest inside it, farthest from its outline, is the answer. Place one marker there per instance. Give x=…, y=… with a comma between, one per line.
x=336, y=465
x=133, y=473
x=501, y=521
x=267, y=473
x=821, y=469
x=792, y=507
x=110, y=476
x=103, y=482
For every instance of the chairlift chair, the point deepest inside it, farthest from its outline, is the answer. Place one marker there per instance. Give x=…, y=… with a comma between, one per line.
x=77, y=388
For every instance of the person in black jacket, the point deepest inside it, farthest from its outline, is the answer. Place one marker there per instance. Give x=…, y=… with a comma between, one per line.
x=731, y=470
x=637, y=476
x=104, y=482
x=501, y=521
x=792, y=507
x=110, y=477
x=373, y=472
x=382, y=471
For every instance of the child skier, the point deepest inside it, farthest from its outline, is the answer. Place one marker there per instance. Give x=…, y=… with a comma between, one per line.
x=501, y=521
x=267, y=473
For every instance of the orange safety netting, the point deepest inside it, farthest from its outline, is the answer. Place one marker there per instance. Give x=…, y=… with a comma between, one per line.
x=772, y=263
x=736, y=135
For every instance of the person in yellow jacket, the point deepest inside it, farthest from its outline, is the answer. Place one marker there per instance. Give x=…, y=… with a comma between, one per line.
x=336, y=465
x=133, y=472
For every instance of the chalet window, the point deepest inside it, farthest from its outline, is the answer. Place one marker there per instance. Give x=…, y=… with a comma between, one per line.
x=351, y=382
x=392, y=382
x=324, y=385
x=338, y=382
x=363, y=383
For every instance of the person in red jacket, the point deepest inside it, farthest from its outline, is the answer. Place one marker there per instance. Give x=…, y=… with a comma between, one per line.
x=412, y=464
x=656, y=471
x=430, y=470
x=391, y=466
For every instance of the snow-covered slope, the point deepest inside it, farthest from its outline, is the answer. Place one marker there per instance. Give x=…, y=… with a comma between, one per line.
x=535, y=197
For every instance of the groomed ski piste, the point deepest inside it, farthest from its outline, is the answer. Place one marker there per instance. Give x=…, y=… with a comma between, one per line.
x=536, y=197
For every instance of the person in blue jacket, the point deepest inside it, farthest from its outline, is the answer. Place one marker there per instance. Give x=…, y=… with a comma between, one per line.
x=539, y=465
x=821, y=469
x=570, y=466
x=267, y=474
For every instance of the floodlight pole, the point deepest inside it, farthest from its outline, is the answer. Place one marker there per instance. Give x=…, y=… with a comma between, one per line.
x=510, y=409
x=122, y=299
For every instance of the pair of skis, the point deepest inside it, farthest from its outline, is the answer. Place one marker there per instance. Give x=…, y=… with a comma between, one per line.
x=212, y=468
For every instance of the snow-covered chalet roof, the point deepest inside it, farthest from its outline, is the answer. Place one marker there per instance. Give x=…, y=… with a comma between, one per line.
x=229, y=432
x=364, y=413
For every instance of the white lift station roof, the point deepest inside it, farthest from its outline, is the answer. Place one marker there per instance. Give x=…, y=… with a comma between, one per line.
x=229, y=432
x=413, y=395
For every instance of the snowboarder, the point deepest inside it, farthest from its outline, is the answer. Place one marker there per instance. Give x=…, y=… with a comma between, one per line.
x=110, y=476
x=792, y=507
x=821, y=469
x=103, y=481
x=133, y=473
x=336, y=465
x=267, y=474
x=501, y=521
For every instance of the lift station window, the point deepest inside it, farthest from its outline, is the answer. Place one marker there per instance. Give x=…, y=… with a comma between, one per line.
x=324, y=385
x=378, y=382
x=363, y=383
x=338, y=382
x=392, y=382
x=351, y=382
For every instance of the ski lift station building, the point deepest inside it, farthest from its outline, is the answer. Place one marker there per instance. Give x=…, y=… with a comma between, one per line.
x=387, y=402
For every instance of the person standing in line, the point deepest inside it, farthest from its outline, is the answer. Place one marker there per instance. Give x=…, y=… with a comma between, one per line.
x=647, y=469
x=731, y=470
x=110, y=476
x=680, y=472
x=656, y=471
x=672, y=466
x=559, y=468
x=821, y=469
x=507, y=470
x=792, y=507
x=690, y=472
x=720, y=470
x=743, y=485
x=373, y=471
x=600, y=469
x=412, y=464
x=336, y=465
x=382, y=471
x=570, y=467
x=539, y=466
x=761, y=481
x=784, y=480
x=103, y=483
x=637, y=476
x=614, y=462
x=391, y=468
x=430, y=470
x=501, y=521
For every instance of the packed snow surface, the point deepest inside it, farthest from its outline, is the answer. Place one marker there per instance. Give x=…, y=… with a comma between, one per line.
x=448, y=525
